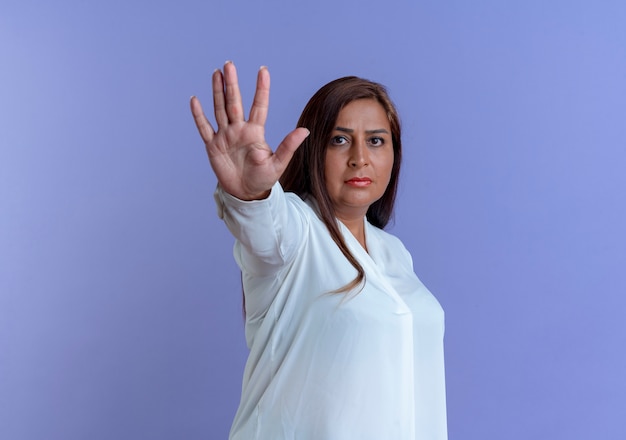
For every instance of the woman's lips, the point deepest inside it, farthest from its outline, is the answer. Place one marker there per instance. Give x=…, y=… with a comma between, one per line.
x=359, y=182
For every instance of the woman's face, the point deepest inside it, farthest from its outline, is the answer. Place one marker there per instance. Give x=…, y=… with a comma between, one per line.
x=359, y=158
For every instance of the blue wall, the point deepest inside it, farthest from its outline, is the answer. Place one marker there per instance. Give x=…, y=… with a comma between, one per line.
x=120, y=313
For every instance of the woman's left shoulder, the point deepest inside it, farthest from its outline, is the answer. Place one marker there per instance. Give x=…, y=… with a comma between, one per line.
x=386, y=237
x=390, y=246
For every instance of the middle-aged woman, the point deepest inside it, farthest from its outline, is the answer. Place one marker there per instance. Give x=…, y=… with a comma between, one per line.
x=345, y=341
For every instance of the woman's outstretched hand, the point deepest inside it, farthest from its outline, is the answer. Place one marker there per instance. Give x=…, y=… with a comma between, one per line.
x=245, y=166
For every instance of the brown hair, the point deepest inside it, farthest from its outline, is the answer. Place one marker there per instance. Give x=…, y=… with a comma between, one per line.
x=305, y=173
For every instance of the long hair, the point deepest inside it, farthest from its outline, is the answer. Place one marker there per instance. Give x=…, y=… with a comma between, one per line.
x=305, y=173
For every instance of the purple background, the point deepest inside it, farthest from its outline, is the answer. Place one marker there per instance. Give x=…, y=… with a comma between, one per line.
x=120, y=303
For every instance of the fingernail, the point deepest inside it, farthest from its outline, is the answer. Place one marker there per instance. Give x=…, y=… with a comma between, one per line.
x=228, y=62
x=262, y=67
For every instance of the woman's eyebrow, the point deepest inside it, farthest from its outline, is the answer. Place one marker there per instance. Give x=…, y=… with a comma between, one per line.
x=349, y=130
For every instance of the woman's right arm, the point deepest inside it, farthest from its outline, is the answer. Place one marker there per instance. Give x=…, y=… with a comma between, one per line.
x=267, y=226
x=269, y=232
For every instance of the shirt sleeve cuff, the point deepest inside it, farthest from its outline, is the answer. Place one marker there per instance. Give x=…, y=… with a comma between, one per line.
x=226, y=202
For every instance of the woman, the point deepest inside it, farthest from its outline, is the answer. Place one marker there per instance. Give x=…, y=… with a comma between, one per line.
x=345, y=341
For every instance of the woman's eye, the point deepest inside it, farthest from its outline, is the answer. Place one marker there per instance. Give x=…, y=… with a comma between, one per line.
x=377, y=141
x=338, y=140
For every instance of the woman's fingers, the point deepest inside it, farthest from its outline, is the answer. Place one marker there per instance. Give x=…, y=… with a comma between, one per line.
x=228, y=107
x=219, y=102
x=288, y=147
x=234, y=107
x=260, y=104
x=202, y=123
x=227, y=97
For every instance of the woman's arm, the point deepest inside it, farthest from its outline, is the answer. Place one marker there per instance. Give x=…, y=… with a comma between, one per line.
x=269, y=232
x=268, y=229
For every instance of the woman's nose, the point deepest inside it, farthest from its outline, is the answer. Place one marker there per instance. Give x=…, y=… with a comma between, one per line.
x=358, y=155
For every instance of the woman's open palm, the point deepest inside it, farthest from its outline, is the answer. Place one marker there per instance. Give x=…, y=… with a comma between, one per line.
x=245, y=166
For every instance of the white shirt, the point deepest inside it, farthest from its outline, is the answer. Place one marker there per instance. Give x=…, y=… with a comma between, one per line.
x=332, y=366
